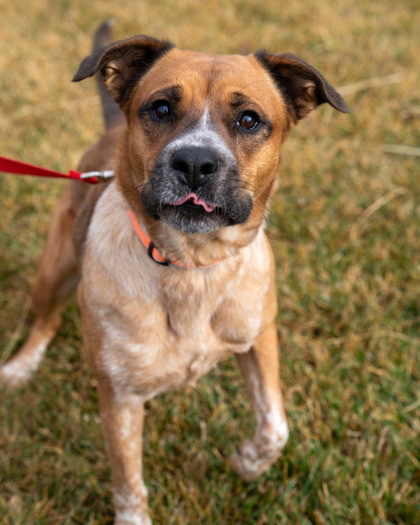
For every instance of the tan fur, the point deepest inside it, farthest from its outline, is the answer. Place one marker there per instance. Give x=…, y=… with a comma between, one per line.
x=149, y=329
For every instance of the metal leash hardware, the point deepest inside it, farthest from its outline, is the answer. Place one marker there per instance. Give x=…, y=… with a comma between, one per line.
x=101, y=175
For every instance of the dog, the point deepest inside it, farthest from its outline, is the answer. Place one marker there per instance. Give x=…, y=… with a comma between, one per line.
x=173, y=268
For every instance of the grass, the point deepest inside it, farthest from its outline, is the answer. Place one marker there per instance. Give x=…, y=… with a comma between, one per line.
x=345, y=229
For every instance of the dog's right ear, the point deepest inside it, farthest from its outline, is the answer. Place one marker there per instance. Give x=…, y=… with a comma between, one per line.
x=123, y=63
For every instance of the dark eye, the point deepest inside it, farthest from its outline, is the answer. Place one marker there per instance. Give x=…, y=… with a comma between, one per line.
x=160, y=111
x=249, y=120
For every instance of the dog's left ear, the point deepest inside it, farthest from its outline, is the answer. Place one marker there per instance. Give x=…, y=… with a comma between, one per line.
x=123, y=63
x=302, y=86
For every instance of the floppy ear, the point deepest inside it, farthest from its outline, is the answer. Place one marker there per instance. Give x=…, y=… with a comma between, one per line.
x=302, y=86
x=123, y=63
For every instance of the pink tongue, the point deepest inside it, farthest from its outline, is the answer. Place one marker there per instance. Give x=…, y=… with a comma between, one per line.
x=197, y=201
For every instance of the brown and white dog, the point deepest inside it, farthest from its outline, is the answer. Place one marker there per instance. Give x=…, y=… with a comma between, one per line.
x=195, y=149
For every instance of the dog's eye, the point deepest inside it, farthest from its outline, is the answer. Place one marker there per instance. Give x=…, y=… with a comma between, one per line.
x=160, y=111
x=249, y=120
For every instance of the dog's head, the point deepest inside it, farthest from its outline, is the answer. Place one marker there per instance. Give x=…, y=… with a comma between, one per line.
x=205, y=132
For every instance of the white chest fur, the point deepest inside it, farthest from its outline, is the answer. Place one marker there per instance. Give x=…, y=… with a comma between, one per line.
x=153, y=329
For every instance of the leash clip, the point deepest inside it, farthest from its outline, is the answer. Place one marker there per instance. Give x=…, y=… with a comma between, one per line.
x=101, y=175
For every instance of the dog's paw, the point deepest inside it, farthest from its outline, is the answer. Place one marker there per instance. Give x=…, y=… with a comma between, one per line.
x=253, y=458
x=248, y=464
x=13, y=375
x=256, y=456
x=131, y=507
x=8, y=379
x=126, y=519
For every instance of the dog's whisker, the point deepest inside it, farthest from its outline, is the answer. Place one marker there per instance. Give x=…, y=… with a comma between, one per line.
x=258, y=194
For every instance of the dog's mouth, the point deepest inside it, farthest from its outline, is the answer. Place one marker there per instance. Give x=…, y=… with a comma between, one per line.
x=193, y=201
x=196, y=211
x=193, y=214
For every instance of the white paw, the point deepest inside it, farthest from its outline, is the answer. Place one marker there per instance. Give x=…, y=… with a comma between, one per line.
x=248, y=464
x=129, y=518
x=255, y=457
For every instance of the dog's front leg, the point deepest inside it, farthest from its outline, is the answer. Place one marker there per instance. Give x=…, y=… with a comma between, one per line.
x=260, y=368
x=122, y=418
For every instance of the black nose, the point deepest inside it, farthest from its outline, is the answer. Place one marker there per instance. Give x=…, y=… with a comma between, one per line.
x=195, y=164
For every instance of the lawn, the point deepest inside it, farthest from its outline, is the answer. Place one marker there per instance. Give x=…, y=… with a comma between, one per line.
x=344, y=226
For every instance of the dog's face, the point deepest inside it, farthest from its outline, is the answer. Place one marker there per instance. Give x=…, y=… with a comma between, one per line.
x=204, y=134
x=205, y=131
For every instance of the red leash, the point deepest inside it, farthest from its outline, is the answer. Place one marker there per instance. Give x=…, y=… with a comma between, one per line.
x=92, y=177
x=23, y=168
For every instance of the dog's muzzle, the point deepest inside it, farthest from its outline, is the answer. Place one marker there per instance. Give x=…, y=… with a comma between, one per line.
x=196, y=189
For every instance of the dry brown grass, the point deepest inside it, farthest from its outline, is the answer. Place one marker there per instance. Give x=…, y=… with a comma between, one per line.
x=345, y=228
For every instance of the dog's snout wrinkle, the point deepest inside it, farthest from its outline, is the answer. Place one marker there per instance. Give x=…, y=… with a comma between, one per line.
x=195, y=165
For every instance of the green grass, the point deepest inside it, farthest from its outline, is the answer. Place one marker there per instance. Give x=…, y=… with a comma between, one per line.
x=345, y=229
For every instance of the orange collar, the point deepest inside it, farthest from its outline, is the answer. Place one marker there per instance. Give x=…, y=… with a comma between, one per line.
x=153, y=252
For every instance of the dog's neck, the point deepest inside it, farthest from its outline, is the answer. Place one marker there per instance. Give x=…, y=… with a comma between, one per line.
x=191, y=250
x=197, y=250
